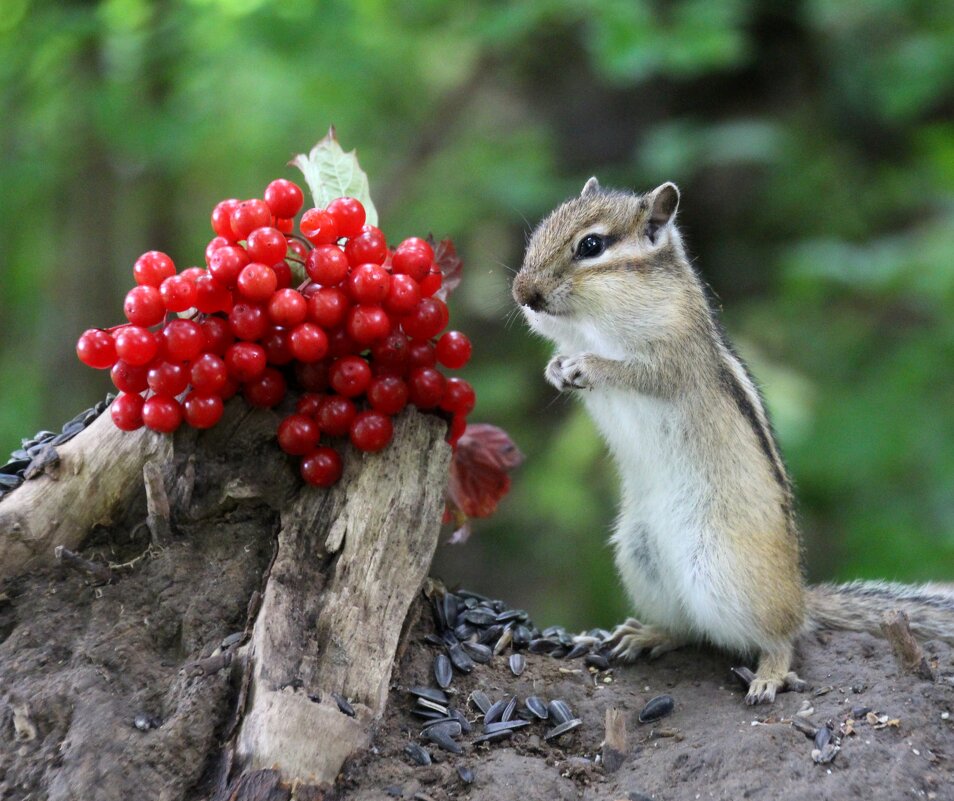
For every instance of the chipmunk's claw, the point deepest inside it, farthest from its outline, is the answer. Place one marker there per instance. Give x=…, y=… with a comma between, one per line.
x=568, y=372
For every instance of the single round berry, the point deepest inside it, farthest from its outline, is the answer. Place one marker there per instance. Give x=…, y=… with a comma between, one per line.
x=143, y=306
x=420, y=353
x=211, y=296
x=97, y=348
x=453, y=350
x=425, y=387
x=152, y=268
x=327, y=265
x=127, y=378
x=369, y=283
x=267, y=245
x=266, y=390
x=349, y=215
x=226, y=263
x=319, y=227
x=126, y=411
x=368, y=247
x=387, y=394
x=296, y=249
x=403, y=295
x=285, y=224
x=390, y=354
x=214, y=244
x=162, y=413
x=287, y=307
x=328, y=307
x=192, y=273
x=222, y=219
x=167, y=378
x=427, y=320
x=412, y=257
x=312, y=377
x=249, y=215
x=202, y=411
x=308, y=404
x=350, y=376
x=308, y=342
x=431, y=283
x=371, y=431
x=322, y=467
x=368, y=324
x=248, y=321
x=284, y=198
x=136, y=345
x=184, y=340
x=283, y=274
x=245, y=360
x=458, y=397
x=298, y=434
x=216, y=335
x=335, y=415
x=257, y=282
x=277, y=346
x=208, y=374
x=178, y=293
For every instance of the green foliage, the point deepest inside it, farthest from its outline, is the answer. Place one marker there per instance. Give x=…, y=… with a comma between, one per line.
x=812, y=142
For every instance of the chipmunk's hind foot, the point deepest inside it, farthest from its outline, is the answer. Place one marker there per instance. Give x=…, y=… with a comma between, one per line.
x=631, y=639
x=773, y=676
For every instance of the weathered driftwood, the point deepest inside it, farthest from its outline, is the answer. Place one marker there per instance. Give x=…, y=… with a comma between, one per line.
x=99, y=471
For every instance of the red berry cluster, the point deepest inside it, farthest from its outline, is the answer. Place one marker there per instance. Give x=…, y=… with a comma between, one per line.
x=360, y=338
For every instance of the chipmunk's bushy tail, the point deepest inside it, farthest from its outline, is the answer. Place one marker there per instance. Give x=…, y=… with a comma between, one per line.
x=861, y=605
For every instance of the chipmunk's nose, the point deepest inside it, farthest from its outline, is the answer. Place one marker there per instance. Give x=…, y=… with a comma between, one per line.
x=528, y=295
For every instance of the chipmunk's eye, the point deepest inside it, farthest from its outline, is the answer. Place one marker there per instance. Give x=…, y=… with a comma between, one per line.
x=591, y=246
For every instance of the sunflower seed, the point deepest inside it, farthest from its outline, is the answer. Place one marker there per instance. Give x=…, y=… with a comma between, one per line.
x=443, y=672
x=10, y=482
x=559, y=652
x=480, y=700
x=14, y=467
x=495, y=712
x=470, y=595
x=443, y=740
x=449, y=606
x=656, y=708
x=542, y=645
x=438, y=696
x=537, y=707
x=521, y=637
x=417, y=754
x=424, y=703
x=744, y=675
x=479, y=653
x=479, y=617
x=466, y=774
x=505, y=639
x=433, y=639
x=503, y=734
x=461, y=718
x=491, y=634
x=464, y=631
x=448, y=726
x=511, y=614
x=578, y=650
x=563, y=728
x=501, y=725
x=518, y=664
x=559, y=711
x=822, y=737
x=459, y=659
x=509, y=709
x=429, y=714
x=343, y=705
x=597, y=661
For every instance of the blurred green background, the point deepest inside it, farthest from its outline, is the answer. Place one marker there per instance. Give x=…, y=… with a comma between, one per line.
x=813, y=142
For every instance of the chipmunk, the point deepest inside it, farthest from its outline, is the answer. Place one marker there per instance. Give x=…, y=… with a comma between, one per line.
x=706, y=541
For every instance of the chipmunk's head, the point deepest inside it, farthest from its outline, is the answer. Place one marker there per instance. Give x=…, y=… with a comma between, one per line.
x=609, y=262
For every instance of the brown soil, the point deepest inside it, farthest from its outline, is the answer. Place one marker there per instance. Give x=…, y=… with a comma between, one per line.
x=78, y=663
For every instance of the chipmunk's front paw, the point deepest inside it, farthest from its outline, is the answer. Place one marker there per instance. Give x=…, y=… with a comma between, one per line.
x=568, y=372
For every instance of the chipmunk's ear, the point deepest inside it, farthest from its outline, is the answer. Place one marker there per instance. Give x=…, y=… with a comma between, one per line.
x=663, y=202
x=591, y=187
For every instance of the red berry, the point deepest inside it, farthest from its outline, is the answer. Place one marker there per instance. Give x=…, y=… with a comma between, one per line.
x=322, y=467
x=214, y=244
x=249, y=215
x=296, y=249
x=387, y=394
x=266, y=390
x=216, y=334
x=232, y=386
x=390, y=354
x=226, y=263
x=211, y=296
x=335, y=415
x=153, y=268
x=328, y=307
x=367, y=248
x=371, y=431
x=453, y=350
x=136, y=345
x=283, y=273
x=245, y=360
x=257, y=282
x=277, y=346
x=327, y=265
x=126, y=411
x=127, y=378
x=162, y=413
x=369, y=283
x=349, y=215
x=427, y=320
x=167, y=378
x=456, y=430
x=431, y=283
x=144, y=306
x=222, y=219
x=403, y=295
x=184, y=340
x=97, y=348
x=319, y=227
x=298, y=434
x=202, y=411
x=178, y=293
x=368, y=324
x=420, y=353
x=284, y=198
x=287, y=307
x=285, y=224
x=266, y=245
x=412, y=257
x=350, y=376
x=309, y=404
x=458, y=396
x=208, y=374
x=308, y=342
x=192, y=273
x=312, y=377
x=425, y=387
x=248, y=321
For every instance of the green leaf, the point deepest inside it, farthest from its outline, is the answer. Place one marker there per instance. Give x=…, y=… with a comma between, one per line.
x=330, y=173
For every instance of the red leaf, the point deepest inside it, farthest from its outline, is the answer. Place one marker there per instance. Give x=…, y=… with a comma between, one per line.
x=484, y=456
x=450, y=264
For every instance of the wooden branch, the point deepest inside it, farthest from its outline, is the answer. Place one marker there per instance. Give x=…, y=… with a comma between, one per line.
x=615, y=743
x=907, y=650
x=349, y=563
x=100, y=470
